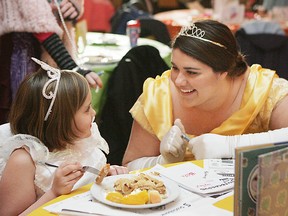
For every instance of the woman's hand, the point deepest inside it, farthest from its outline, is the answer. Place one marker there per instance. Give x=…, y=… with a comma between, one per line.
x=66, y=175
x=172, y=146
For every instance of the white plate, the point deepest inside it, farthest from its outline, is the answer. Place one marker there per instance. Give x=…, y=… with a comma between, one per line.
x=99, y=192
x=99, y=60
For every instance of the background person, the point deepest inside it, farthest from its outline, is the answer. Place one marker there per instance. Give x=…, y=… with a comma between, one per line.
x=31, y=29
x=266, y=8
x=210, y=92
x=270, y=4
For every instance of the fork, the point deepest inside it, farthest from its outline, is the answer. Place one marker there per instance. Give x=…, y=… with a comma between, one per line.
x=84, y=168
x=185, y=137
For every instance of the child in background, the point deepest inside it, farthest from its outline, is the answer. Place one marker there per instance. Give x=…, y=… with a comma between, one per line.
x=51, y=121
x=30, y=29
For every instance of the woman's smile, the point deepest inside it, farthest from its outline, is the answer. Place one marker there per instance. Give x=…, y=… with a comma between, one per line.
x=187, y=90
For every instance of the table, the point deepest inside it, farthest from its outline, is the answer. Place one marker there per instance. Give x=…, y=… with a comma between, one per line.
x=222, y=207
x=175, y=19
x=112, y=47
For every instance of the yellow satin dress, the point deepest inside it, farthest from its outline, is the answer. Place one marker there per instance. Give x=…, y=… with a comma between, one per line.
x=153, y=109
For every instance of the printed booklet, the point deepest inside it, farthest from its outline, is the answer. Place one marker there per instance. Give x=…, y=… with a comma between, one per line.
x=216, y=177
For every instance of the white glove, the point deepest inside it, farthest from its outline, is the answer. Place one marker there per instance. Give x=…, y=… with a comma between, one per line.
x=218, y=146
x=172, y=146
x=172, y=149
x=145, y=162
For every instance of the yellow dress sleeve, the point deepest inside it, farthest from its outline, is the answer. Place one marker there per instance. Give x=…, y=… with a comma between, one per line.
x=153, y=109
x=278, y=91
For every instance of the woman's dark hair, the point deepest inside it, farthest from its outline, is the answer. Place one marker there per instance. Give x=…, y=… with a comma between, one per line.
x=29, y=108
x=220, y=59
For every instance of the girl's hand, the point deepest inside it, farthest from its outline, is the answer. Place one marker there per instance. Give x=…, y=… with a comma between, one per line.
x=94, y=80
x=66, y=175
x=117, y=170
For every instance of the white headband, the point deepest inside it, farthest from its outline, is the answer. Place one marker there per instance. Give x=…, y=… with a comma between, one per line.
x=54, y=75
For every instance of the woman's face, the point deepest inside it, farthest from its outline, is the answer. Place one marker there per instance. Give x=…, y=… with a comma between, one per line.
x=195, y=82
x=83, y=119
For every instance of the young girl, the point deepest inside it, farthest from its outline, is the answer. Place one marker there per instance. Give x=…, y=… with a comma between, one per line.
x=52, y=120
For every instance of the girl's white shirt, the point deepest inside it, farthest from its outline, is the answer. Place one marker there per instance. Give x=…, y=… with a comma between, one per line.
x=87, y=151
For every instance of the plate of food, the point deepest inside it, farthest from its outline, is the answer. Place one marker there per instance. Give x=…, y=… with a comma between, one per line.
x=135, y=191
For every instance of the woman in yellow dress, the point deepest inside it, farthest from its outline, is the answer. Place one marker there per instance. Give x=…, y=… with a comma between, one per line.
x=210, y=94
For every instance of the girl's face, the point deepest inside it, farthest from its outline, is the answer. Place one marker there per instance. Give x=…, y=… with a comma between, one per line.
x=195, y=82
x=84, y=118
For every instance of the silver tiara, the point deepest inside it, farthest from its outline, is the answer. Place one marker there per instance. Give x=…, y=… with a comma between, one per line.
x=195, y=32
x=54, y=75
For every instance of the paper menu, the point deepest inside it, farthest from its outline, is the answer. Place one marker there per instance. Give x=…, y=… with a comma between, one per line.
x=85, y=203
x=224, y=167
x=199, y=180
